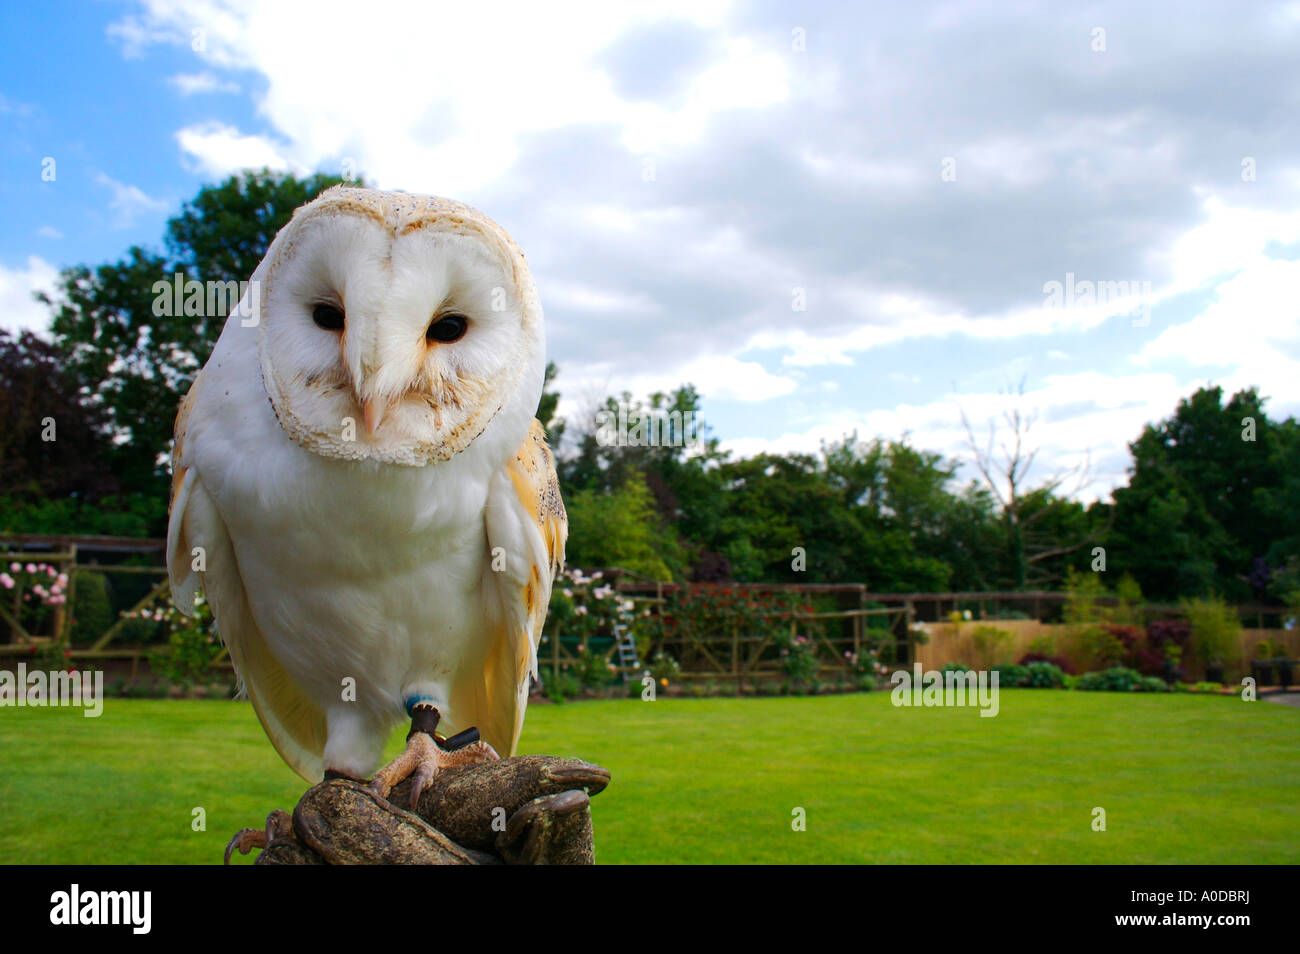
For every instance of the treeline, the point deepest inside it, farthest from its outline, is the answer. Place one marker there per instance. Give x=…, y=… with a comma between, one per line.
x=1212, y=504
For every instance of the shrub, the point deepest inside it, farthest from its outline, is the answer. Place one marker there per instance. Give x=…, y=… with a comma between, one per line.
x=1059, y=661
x=1129, y=637
x=1161, y=632
x=1137, y=653
x=1082, y=601
x=592, y=669
x=1265, y=650
x=1215, y=628
x=188, y=657
x=954, y=667
x=1120, y=679
x=192, y=644
x=1011, y=676
x=1045, y=675
x=1044, y=645
x=665, y=669
x=1097, y=645
x=37, y=588
x=1117, y=679
x=585, y=606
x=1129, y=594
x=92, y=611
x=798, y=659
x=1034, y=675
x=988, y=641
x=564, y=686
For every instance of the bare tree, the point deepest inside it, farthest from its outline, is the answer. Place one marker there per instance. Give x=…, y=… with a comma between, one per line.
x=1023, y=504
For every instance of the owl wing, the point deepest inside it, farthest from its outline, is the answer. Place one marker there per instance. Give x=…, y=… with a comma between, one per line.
x=526, y=530
x=295, y=725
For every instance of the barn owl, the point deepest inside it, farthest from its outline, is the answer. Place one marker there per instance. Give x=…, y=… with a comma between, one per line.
x=361, y=490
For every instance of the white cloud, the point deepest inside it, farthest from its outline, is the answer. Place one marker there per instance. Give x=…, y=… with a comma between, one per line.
x=128, y=201
x=745, y=79
x=446, y=99
x=1252, y=329
x=582, y=297
x=18, y=310
x=49, y=232
x=219, y=150
x=861, y=172
x=726, y=378
x=191, y=84
x=717, y=377
x=1227, y=240
x=449, y=90
x=1079, y=416
x=888, y=317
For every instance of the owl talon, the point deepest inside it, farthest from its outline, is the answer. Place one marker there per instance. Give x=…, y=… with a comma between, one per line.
x=245, y=840
x=421, y=780
x=422, y=760
x=279, y=826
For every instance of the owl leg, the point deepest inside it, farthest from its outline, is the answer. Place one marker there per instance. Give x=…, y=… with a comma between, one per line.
x=427, y=753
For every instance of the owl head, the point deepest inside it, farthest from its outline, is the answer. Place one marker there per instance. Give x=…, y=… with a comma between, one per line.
x=395, y=327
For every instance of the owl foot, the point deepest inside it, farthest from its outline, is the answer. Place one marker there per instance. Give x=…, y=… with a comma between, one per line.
x=279, y=826
x=427, y=754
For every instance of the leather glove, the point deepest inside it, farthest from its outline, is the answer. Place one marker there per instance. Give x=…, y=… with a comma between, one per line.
x=523, y=810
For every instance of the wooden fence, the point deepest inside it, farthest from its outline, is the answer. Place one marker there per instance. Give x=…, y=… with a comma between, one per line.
x=860, y=619
x=71, y=555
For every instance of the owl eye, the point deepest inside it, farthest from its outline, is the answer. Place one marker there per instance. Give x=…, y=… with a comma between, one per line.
x=327, y=317
x=447, y=328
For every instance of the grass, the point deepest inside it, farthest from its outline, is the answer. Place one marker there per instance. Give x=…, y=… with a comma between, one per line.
x=1183, y=779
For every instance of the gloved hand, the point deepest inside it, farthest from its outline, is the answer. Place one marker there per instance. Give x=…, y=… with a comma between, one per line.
x=524, y=810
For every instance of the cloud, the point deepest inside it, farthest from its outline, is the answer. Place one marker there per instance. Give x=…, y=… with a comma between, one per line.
x=675, y=175
x=191, y=84
x=18, y=310
x=1251, y=333
x=128, y=201
x=1078, y=417
x=218, y=150
x=450, y=115
x=49, y=232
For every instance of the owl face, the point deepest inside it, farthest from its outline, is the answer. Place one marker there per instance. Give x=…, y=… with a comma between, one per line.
x=394, y=327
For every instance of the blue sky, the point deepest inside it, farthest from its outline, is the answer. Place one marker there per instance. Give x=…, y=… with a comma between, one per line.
x=682, y=175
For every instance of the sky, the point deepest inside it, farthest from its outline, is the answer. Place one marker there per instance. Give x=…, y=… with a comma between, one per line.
x=828, y=217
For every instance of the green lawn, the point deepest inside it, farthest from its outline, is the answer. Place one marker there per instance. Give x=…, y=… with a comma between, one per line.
x=1182, y=779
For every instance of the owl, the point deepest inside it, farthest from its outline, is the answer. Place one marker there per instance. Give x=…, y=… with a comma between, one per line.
x=362, y=492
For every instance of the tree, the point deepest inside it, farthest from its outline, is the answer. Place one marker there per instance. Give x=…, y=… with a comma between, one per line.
x=1030, y=513
x=1213, y=488
x=52, y=444
x=546, y=405
x=54, y=452
x=621, y=529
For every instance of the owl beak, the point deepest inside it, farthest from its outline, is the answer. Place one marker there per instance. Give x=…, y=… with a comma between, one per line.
x=373, y=409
